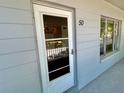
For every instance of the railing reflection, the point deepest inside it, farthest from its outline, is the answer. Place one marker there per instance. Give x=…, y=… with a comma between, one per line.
x=56, y=53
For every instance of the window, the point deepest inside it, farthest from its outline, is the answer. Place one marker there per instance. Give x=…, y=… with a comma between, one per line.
x=109, y=35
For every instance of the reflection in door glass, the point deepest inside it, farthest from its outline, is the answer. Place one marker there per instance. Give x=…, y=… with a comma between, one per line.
x=55, y=27
x=57, y=48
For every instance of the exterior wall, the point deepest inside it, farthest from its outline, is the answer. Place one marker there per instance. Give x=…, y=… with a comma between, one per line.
x=89, y=65
x=18, y=60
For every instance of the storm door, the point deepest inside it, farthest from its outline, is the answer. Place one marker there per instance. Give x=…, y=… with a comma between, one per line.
x=55, y=44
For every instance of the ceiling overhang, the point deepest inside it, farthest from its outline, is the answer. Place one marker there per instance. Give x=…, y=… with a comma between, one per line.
x=117, y=3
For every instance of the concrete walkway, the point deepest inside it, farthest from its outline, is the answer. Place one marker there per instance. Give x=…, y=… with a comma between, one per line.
x=111, y=81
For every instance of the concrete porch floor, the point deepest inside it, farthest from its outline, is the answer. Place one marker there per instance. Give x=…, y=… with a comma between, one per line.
x=111, y=81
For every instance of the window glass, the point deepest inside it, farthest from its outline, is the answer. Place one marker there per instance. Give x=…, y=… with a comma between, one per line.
x=109, y=35
x=116, y=45
x=102, y=35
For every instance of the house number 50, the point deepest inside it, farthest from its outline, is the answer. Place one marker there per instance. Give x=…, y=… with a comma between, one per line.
x=81, y=22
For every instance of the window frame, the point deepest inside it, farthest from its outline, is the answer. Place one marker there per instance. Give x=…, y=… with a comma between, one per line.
x=105, y=54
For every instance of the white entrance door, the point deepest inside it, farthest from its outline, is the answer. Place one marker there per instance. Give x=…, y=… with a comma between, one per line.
x=55, y=45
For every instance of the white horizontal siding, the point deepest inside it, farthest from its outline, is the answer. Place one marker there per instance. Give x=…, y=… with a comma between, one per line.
x=18, y=72
x=90, y=52
x=89, y=19
x=21, y=79
x=18, y=4
x=87, y=38
x=87, y=45
x=87, y=30
x=88, y=60
x=16, y=59
x=16, y=45
x=15, y=31
x=8, y=15
x=88, y=23
x=87, y=15
x=28, y=85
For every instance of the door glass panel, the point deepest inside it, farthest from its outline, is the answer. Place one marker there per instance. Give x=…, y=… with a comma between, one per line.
x=102, y=34
x=109, y=36
x=55, y=27
x=57, y=46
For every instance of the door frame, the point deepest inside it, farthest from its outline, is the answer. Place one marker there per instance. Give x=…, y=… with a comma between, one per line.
x=43, y=73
